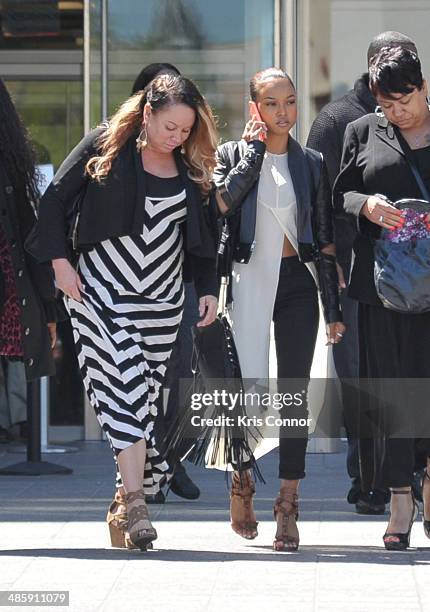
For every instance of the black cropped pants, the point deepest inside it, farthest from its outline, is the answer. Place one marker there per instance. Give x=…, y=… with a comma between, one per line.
x=296, y=319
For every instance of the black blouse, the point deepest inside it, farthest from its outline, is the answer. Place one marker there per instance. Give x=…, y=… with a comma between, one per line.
x=421, y=158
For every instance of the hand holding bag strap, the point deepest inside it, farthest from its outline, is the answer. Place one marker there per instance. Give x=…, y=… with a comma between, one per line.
x=407, y=152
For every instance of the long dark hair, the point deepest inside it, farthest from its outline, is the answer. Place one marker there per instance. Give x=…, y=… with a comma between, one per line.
x=17, y=156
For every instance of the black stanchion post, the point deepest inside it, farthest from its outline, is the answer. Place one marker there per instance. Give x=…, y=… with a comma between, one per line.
x=34, y=466
x=33, y=420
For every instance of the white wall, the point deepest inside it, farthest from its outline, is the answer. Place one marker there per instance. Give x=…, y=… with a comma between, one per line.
x=355, y=22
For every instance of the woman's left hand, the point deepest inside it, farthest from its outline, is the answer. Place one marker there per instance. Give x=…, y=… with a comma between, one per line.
x=335, y=332
x=52, y=330
x=208, y=305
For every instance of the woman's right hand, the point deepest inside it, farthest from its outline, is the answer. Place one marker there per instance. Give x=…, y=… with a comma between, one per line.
x=254, y=130
x=382, y=213
x=67, y=279
x=335, y=332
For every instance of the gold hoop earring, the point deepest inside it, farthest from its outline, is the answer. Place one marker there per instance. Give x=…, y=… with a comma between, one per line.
x=142, y=139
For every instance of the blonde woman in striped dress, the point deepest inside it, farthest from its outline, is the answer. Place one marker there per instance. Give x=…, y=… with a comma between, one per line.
x=144, y=225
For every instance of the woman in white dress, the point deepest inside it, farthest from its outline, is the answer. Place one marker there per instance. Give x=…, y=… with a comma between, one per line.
x=276, y=199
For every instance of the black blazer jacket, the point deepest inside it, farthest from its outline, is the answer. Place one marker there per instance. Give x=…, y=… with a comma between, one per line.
x=373, y=162
x=115, y=207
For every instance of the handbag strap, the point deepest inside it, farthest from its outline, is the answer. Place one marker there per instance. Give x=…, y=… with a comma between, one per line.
x=407, y=152
x=419, y=180
x=222, y=302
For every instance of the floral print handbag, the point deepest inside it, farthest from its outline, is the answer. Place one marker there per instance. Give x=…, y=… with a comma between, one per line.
x=402, y=260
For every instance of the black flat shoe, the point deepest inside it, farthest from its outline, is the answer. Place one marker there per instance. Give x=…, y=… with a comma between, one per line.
x=182, y=485
x=158, y=498
x=354, y=493
x=426, y=523
x=371, y=503
x=401, y=541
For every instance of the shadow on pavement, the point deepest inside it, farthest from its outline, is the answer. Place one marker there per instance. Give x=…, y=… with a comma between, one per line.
x=306, y=554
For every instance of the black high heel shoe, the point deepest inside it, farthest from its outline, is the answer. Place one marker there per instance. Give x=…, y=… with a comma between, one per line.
x=402, y=540
x=426, y=523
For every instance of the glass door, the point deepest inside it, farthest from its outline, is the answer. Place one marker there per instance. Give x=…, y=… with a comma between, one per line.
x=219, y=45
x=41, y=60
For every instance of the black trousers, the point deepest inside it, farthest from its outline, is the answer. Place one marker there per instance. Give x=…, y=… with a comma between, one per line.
x=345, y=355
x=296, y=319
x=394, y=356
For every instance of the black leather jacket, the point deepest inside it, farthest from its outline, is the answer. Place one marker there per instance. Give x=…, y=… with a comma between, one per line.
x=236, y=177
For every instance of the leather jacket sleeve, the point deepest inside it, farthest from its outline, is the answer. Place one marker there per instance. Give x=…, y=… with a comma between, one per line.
x=328, y=285
x=235, y=182
x=325, y=263
x=322, y=208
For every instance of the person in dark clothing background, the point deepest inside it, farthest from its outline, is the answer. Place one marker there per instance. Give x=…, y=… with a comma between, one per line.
x=149, y=72
x=28, y=311
x=326, y=135
x=180, y=359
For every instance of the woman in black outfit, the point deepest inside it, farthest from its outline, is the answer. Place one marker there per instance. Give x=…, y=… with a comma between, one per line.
x=27, y=292
x=145, y=176
x=392, y=344
x=277, y=201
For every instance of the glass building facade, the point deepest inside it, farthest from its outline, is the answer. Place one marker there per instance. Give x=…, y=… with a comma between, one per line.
x=68, y=64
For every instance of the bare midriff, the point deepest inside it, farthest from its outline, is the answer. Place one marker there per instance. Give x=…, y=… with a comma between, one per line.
x=288, y=250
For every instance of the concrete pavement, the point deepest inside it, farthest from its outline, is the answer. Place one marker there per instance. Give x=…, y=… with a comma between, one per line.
x=53, y=536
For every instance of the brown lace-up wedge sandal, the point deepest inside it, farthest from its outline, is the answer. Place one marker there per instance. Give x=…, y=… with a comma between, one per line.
x=241, y=494
x=117, y=521
x=140, y=529
x=286, y=513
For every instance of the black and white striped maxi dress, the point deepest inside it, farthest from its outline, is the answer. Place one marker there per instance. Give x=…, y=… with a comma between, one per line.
x=126, y=324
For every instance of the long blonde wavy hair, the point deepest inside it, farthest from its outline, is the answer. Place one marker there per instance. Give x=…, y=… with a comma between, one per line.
x=199, y=148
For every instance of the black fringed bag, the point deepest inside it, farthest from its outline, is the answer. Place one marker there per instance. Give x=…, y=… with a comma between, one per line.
x=216, y=369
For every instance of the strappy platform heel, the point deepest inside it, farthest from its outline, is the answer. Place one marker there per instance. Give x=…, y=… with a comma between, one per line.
x=401, y=540
x=243, y=489
x=285, y=509
x=118, y=523
x=140, y=529
x=426, y=523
